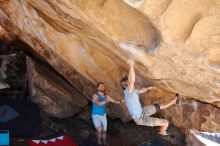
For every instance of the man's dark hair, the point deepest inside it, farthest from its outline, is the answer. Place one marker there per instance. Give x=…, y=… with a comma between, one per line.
x=99, y=83
x=123, y=83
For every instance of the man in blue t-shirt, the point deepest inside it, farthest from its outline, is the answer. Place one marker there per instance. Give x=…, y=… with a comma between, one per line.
x=140, y=115
x=100, y=99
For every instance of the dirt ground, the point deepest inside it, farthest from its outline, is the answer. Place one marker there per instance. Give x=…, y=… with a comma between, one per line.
x=119, y=134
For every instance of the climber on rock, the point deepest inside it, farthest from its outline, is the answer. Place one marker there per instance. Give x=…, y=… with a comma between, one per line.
x=140, y=115
x=100, y=99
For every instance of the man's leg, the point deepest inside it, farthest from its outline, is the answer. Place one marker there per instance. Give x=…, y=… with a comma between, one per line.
x=163, y=123
x=97, y=123
x=99, y=134
x=151, y=121
x=104, y=137
x=104, y=129
x=166, y=105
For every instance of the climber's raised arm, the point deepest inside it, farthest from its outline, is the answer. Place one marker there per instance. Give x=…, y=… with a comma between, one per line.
x=131, y=76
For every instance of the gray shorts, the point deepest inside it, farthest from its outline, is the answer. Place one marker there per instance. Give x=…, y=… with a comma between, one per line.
x=145, y=118
x=100, y=121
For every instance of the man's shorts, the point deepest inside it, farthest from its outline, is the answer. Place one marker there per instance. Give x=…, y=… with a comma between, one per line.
x=145, y=118
x=100, y=121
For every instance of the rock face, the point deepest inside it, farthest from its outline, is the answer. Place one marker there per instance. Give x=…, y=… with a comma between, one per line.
x=54, y=95
x=13, y=82
x=190, y=32
x=193, y=140
x=175, y=43
x=194, y=115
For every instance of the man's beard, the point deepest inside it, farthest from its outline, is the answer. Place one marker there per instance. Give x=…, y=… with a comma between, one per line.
x=103, y=91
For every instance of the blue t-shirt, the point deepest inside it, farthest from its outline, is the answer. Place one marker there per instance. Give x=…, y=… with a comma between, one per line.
x=99, y=110
x=133, y=103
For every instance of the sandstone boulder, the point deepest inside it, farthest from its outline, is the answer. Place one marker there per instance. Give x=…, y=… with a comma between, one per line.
x=175, y=44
